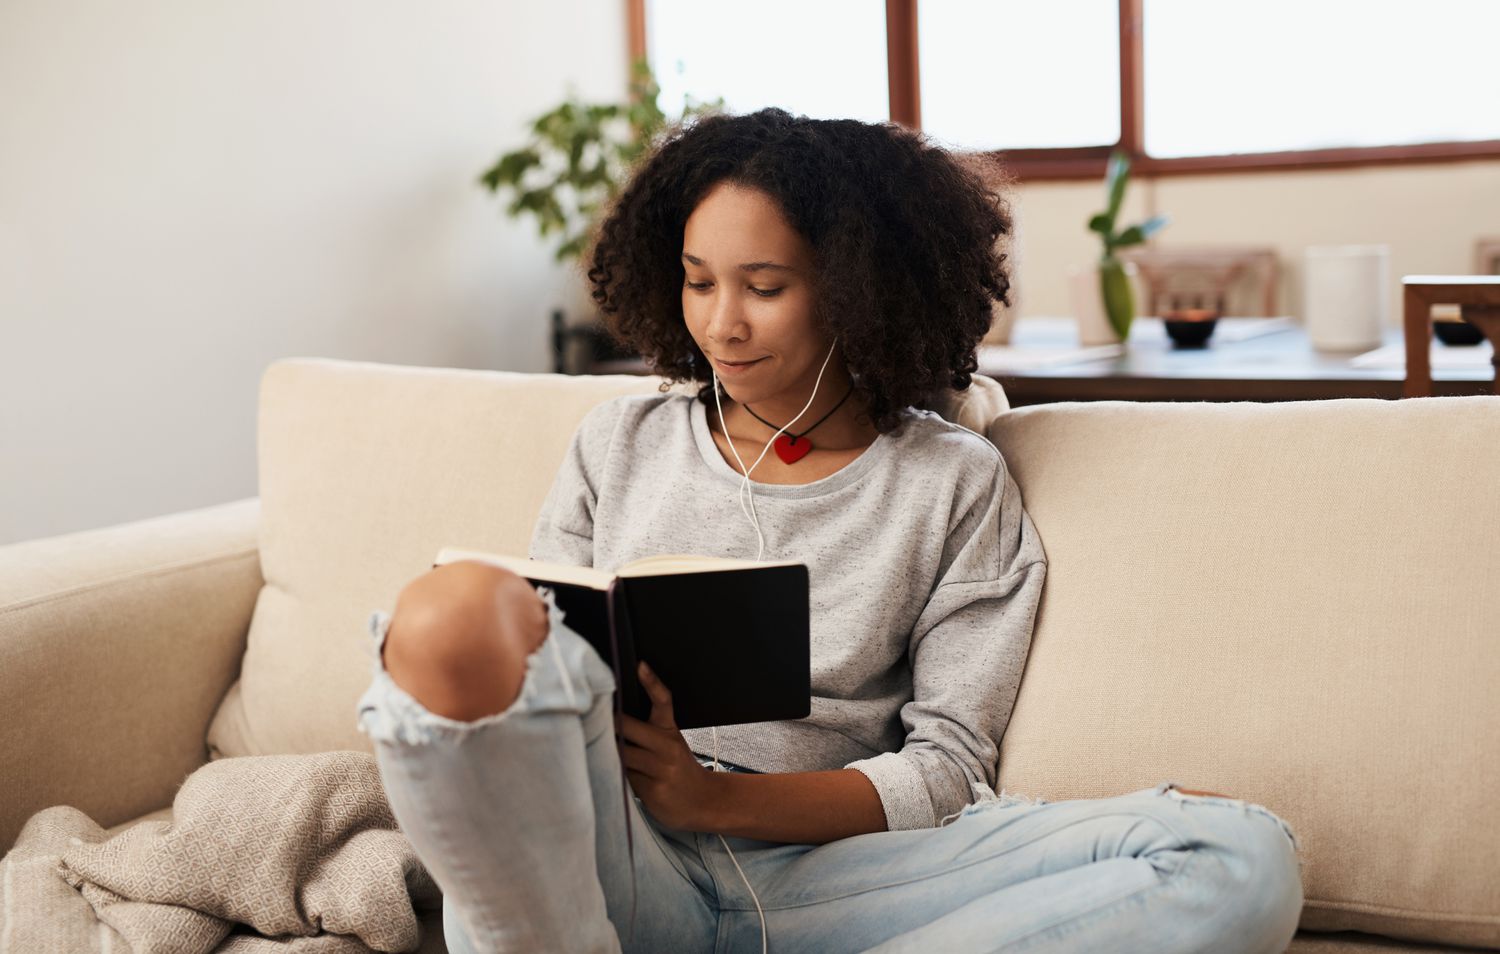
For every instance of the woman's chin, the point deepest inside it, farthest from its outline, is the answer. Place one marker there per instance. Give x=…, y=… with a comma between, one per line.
x=743, y=392
x=739, y=395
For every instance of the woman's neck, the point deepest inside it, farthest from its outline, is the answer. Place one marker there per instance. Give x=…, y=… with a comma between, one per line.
x=846, y=426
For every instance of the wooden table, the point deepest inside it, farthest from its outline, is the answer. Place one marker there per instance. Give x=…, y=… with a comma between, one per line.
x=1280, y=365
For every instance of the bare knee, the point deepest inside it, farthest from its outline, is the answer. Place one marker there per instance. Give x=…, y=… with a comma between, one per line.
x=459, y=637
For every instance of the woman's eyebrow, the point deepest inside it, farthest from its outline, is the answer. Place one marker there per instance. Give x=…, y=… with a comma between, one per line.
x=747, y=267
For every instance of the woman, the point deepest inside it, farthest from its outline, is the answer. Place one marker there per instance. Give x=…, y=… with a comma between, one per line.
x=822, y=281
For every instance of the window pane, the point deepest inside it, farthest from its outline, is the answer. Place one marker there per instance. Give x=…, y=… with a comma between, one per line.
x=1020, y=74
x=824, y=59
x=1309, y=74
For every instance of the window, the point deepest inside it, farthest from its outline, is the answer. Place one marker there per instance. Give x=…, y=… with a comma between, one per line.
x=772, y=53
x=987, y=83
x=1180, y=85
x=1333, y=73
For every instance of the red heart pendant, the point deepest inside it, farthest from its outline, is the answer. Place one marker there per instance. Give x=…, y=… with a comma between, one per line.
x=792, y=449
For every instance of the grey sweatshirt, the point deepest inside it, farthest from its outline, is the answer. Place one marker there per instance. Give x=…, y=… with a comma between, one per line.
x=925, y=574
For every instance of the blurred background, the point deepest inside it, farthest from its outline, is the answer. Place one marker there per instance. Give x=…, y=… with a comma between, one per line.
x=190, y=191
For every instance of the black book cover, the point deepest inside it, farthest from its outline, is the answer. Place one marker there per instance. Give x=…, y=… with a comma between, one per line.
x=732, y=645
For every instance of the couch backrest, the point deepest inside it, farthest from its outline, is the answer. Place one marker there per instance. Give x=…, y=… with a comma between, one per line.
x=1295, y=604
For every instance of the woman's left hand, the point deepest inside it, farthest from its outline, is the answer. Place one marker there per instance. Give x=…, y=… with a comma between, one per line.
x=662, y=769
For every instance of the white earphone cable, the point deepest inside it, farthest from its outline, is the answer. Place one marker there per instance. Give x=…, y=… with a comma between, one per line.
x=730, y=851
x=745, y=487
x=760, y=549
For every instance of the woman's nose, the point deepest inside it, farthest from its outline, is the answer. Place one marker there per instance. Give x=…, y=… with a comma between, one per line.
x=726, y=320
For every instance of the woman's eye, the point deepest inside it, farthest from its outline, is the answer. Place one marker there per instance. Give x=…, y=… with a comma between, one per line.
x=761, y=292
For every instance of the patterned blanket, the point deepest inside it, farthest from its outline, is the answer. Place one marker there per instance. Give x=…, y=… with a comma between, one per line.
x=285, y=853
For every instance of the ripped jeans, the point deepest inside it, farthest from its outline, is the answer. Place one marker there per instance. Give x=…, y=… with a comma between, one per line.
x=520, y=818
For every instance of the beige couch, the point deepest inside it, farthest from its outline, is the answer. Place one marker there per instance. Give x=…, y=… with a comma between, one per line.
x=1297, y=604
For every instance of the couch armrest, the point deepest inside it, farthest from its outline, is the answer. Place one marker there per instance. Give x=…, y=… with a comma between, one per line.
x=116, y=646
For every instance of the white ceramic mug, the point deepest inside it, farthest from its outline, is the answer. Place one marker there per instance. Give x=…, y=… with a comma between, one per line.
x=1346, y=296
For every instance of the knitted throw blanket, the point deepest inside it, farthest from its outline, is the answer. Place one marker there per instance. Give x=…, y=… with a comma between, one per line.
x=284, y=853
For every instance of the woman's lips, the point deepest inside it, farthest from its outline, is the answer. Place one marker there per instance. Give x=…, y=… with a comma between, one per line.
x=737, y=367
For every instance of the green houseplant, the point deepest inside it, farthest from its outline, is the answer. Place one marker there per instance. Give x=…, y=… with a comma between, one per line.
x=1114, y=284
x=578, y=157
x=575, y=162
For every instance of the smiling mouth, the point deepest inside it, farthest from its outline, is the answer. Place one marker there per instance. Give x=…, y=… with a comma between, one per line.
x=739, y=364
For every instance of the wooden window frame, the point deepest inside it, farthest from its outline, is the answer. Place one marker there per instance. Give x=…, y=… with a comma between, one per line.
x=1088, y=162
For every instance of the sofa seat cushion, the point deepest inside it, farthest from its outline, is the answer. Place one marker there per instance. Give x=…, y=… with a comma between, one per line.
x=1293, y=604
x=1353, y=942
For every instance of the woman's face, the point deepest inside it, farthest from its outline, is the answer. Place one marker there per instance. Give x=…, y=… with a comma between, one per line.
x=747, y=298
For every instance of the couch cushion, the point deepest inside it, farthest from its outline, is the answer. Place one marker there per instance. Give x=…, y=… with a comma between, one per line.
x=1294, y=604
x=975, y=406
x=1353, y=942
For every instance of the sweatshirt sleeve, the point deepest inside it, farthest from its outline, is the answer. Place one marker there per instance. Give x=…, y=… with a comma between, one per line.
x=967, y=652
x=564, y=530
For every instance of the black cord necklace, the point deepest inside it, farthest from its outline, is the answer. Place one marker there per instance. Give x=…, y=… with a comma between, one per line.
x=793, y=447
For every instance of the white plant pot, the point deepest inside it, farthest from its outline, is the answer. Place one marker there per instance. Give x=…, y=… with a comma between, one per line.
x=1087, y=299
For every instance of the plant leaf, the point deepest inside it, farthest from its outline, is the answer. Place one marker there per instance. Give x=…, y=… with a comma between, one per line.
x=1153, y=225
x=1137, y=234
x=1116, y=174
x=582, y=179
x=572, y=248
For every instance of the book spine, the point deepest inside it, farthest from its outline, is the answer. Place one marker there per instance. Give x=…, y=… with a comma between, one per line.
x=629, y=692
x=614, y=609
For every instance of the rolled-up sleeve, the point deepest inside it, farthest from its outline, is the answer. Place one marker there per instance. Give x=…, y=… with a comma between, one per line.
x=967, y=653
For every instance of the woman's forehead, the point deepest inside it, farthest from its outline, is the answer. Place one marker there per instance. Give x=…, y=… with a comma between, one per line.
x=735, y=227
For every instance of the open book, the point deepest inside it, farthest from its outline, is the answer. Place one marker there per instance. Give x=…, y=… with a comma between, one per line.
x=728, y=637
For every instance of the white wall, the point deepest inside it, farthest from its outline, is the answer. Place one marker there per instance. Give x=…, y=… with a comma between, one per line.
x=190, y=190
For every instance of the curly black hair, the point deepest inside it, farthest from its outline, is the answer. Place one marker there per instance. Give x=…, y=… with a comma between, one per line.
x=904, y=237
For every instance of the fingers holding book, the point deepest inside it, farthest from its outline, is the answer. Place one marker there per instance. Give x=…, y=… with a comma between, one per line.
x=661, y=768
x=661, y=698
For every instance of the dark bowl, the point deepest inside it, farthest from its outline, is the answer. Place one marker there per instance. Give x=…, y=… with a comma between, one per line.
x=1190, y=334
x=1457, y=332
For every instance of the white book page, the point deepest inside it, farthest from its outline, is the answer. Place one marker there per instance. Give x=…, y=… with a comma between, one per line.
x=531, y=569
x=666, y=564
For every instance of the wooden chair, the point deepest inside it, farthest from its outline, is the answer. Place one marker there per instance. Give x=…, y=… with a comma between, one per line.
x=1478, y=299
x=1487, y=256
x=1201, y=277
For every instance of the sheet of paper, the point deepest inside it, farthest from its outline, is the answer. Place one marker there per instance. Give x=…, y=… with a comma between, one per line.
x=1441, y=355
x=1012, y=358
